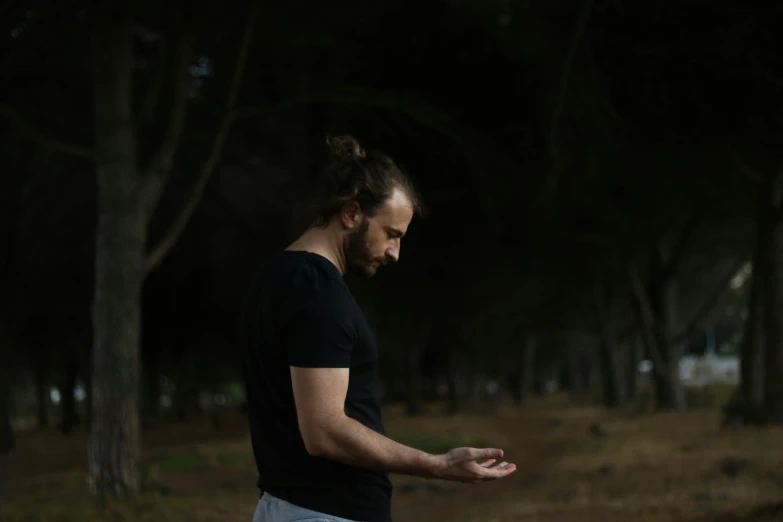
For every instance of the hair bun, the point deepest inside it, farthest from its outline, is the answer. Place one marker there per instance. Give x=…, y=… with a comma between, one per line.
x=345, y=147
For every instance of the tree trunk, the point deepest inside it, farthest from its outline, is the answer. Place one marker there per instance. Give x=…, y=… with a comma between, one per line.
x=670, y=392
x=591, y=369
x=152, y=380
x=501, y=378
x=773, y=308
x=115, y=439
x=6, y=432
x=656, y=305
x=526, y=383
x=186, y=395
x=413, y=405
x=632, y=368
x=611, y=370
x=540, y=375
x=452, y=369
x=41, y=391
x=87, y=374
x=68, y=415
x=612, y=373
x=752, y=355
x=576, y=375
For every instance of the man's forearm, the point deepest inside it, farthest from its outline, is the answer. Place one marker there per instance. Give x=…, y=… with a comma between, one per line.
x=349, y=441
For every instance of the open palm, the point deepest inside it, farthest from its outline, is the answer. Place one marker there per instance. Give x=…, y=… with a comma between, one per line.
x=474, y=465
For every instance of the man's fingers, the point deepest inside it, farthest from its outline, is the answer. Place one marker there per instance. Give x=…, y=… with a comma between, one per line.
x=487, y=463
x=497, y=472
x=486, y=453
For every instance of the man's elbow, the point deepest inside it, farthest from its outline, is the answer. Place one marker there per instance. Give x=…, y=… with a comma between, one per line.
x=318, y=441
x=315, y=447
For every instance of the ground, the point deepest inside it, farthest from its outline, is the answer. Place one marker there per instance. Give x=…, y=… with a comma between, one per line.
x=575, y=464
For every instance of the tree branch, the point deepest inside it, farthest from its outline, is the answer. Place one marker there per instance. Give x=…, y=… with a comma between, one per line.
x=744, y=167
x=158, y=172
x=172, y=235
x=681, y=246
x=776, y=186
x=565, y=77
x=28, y=130
x=770, y=77
x=152, y=95
x=708, y=306
x=239, y=221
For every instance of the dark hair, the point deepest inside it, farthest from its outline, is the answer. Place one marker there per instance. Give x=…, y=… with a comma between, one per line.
x=352, y=174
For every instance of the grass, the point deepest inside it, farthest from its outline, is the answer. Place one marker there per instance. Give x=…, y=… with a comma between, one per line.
x=197, y=460
x=663, y=467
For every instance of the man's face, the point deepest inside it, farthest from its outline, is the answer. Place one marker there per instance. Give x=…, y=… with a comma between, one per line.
x=376, y=241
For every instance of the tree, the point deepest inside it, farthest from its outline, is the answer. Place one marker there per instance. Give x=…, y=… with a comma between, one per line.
x=127, y=197
x=134, y=161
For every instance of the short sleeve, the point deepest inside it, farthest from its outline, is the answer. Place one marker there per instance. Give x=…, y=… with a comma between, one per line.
x=321, y=332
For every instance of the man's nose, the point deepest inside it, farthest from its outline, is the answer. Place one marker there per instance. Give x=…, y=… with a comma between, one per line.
x=393, y=252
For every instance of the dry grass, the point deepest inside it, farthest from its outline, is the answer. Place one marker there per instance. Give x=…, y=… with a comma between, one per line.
x=662, y=467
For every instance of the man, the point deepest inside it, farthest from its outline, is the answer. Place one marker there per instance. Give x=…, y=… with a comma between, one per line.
x=310, y=361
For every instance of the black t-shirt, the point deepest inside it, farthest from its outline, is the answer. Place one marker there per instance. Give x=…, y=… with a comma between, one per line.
x=300, y=312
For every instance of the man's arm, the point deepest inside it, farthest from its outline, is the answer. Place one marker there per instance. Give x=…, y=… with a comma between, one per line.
x=329, y=433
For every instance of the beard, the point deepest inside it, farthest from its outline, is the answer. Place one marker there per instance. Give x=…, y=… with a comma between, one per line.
x=358, y=255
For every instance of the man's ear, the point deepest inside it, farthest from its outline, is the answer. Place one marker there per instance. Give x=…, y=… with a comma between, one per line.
x=351, y=215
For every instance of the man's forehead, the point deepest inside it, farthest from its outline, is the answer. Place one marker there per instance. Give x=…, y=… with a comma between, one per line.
x=399, y=201
x=398, y=208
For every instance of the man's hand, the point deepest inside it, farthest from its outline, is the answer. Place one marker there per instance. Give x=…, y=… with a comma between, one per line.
x=461, y=465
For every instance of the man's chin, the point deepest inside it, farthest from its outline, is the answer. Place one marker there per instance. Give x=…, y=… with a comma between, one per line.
x=369, y=271
x=366, y=271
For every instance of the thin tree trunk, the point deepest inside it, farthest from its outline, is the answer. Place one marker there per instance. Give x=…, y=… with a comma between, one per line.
x=752, y=355
x=591, y=371
x=576, y=375
x=528, y=371
x=6, y=432
x=413, y=405
x=152, y=380
x=612, y=373
x=773, y=308
x=115, y=438
x=611, y=370
x=500, y=376
x=671, y=392
x=69, y=416
x=41, y=392
x=452, y=369
x=87, y=374
x=632, y=368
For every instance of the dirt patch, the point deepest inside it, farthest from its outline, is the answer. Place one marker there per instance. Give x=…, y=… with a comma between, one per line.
x=679, y=467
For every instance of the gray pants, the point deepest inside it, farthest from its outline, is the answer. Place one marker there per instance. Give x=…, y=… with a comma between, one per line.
x=273, y=509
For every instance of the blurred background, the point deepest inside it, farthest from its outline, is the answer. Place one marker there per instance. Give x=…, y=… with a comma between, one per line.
x=597, y=288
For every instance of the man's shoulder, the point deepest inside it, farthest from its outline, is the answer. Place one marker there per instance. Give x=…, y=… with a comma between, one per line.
x=304, y=279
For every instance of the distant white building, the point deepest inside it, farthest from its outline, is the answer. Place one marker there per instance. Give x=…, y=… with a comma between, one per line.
x=699, y=370
x=709, y=369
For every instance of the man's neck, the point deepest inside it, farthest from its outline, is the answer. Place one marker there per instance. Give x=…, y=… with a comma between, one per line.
x=325, y=242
